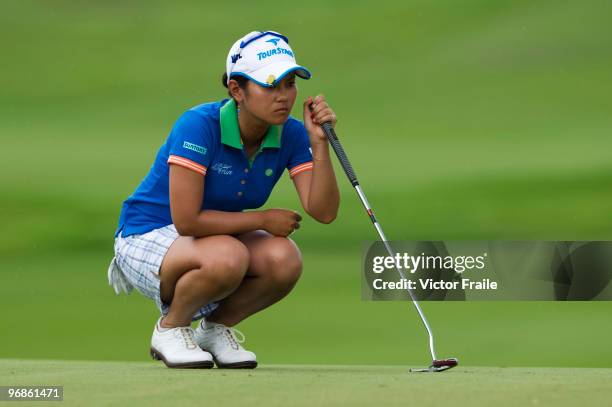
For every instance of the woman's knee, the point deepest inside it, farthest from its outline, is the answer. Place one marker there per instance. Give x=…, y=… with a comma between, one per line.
x=283, y=262
x=227, y=264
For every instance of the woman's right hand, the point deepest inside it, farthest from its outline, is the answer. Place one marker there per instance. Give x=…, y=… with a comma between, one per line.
x=280, y=222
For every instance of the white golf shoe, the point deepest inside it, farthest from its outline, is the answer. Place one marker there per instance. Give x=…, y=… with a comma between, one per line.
x=225, y=347
x=176, y=347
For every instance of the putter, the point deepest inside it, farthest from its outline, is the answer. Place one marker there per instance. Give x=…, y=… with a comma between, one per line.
x=437, y=365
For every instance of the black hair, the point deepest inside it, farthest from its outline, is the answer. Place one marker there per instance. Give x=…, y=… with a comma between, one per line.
x=242, y=82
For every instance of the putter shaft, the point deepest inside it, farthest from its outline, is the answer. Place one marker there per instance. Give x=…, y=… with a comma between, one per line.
x=350, y=173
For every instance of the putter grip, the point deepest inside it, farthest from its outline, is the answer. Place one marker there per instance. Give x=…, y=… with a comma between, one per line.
x=346, y=165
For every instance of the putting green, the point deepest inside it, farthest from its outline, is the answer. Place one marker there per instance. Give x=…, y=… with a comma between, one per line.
x=150, y=383
x=471, y=120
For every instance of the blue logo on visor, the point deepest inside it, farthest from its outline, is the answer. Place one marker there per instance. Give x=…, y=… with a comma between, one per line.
x=274, y=41
x=273, y=51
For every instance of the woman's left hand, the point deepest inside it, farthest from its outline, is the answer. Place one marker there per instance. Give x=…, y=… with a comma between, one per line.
x=317, y=112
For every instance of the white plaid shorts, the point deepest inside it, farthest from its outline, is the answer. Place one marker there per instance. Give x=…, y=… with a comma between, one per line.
x=137, y=262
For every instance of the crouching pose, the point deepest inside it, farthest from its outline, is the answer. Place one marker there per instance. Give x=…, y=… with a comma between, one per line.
x=184, y=238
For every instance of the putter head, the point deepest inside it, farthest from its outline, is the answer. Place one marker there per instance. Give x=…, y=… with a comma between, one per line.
x=439, y=365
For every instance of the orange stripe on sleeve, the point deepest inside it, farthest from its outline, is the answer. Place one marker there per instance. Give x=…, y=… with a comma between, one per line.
x=184, y=162
x=300, y=168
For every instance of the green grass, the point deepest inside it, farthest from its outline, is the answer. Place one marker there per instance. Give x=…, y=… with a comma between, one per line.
x=63, y=309
x=470, y=120
x=149, y=383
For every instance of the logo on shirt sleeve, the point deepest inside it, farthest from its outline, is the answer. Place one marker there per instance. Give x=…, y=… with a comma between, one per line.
x=194, y=147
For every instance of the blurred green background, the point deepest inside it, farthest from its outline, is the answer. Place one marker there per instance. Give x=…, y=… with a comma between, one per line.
x=463, y=120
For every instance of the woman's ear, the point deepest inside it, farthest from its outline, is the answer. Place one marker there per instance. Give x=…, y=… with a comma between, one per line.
x=235, y=90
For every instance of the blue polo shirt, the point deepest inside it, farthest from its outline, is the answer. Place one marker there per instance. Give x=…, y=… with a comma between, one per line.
x=206, y=139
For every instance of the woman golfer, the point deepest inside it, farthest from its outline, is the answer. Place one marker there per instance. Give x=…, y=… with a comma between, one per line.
x=184, y=238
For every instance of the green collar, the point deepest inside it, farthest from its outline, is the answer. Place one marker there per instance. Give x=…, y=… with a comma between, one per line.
x=230, y=132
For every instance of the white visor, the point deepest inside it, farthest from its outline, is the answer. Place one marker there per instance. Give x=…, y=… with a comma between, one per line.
x=263, y=57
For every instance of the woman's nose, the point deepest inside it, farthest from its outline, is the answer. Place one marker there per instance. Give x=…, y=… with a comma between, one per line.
x=281, y=95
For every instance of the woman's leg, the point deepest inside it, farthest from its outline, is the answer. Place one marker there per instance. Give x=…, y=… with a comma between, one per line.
x=275, y=265
x=195, y=272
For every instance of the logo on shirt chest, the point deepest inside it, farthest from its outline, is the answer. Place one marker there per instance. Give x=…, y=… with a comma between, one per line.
x=222, y=169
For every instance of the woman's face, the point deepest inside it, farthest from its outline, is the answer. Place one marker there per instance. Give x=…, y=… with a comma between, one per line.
x=271, y=105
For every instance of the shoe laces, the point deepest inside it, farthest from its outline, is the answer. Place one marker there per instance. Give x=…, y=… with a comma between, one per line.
x=233, y=336
x=186, y=333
